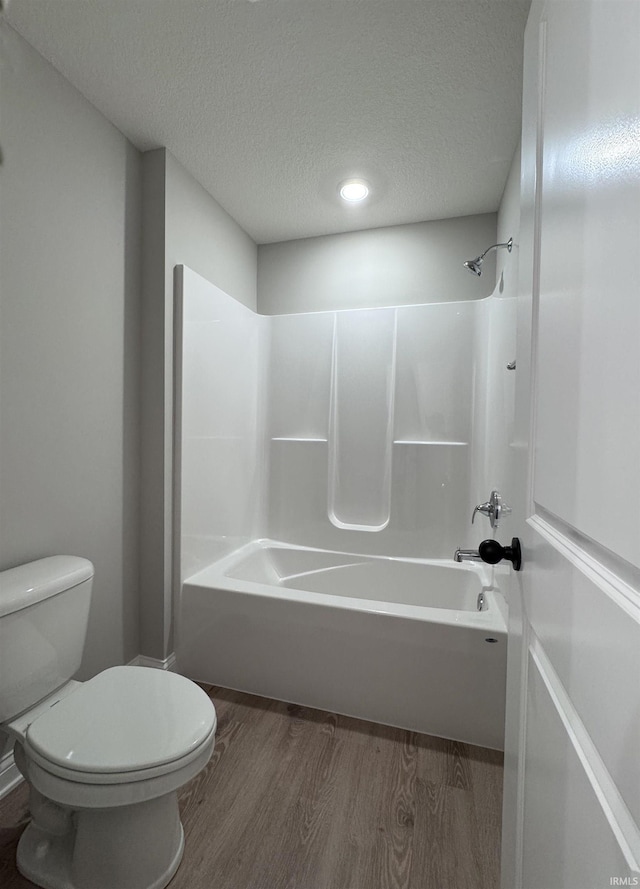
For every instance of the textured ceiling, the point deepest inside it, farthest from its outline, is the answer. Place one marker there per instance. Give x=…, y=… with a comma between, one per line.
x=270, y=104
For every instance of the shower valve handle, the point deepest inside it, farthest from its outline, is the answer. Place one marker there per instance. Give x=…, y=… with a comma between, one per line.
x=492, y=553
x=485, y=508
x=494, y=509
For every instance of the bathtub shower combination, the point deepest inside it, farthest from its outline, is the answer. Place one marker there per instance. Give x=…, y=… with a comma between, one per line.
x=327, y=467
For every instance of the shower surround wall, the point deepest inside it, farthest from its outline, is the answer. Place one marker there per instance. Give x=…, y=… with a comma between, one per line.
x=370, y=423
x=219, y=428
x=373, y=430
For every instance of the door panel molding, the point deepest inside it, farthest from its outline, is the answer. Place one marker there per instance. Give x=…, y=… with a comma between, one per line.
x=587, y=619
x=610, y=583
x=614, y=808
x=571, y=841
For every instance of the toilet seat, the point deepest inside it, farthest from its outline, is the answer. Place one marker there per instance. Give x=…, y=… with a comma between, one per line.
x=126, y=776
x=125, y=724
x=74, y=751
x=68, y=791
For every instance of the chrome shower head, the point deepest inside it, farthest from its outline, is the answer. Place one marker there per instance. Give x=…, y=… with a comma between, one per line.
x=475, y=265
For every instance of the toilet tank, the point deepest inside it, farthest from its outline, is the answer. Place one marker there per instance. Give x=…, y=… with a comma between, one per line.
x=44, y=610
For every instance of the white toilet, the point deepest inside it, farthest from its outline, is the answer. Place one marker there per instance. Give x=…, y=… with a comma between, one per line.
x=103, y=758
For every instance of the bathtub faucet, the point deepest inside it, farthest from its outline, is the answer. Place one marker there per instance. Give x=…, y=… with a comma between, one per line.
x=466, y=555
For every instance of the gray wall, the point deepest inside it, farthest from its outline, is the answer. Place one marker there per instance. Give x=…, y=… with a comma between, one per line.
x=83, y=356
x=182, y=224
x=201, y=235
x=69, y=342
x=400, y=265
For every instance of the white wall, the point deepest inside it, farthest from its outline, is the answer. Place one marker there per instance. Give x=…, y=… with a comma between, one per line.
x=182, y=224
x=70, y=289
x=400, y=265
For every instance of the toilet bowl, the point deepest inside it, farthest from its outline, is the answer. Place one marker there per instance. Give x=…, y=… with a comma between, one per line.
x=104, y=758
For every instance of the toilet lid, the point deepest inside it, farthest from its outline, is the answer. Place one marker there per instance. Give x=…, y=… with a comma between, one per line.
x=123, y=720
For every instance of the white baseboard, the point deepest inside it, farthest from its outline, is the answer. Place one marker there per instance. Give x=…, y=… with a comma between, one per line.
x=10, y=777
x=141, y=660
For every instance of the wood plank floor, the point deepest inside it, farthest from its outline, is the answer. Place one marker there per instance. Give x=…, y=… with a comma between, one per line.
x=295, y=798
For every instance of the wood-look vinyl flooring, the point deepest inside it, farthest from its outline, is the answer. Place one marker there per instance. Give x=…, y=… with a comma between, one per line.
x=296, y=798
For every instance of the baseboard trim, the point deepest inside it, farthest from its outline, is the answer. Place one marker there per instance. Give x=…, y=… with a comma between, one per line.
x=10, y=777
x=141, y=660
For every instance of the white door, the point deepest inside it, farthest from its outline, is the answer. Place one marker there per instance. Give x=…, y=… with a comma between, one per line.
x=572, y=764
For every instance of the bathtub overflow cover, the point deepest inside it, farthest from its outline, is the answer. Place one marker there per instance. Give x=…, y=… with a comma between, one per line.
x=490, y=639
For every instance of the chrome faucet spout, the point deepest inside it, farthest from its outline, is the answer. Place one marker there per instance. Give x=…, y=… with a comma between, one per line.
x=467, y=555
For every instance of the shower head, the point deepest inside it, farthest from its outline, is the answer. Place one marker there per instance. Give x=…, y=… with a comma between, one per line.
x=475, y=265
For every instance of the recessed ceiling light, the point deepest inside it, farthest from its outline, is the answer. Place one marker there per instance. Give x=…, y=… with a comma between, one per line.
x=354, y=190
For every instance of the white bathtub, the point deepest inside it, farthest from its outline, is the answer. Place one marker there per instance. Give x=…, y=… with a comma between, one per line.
x=396, y=641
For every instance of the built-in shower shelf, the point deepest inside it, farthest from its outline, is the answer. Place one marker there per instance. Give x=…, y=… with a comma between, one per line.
x=451, y=444
x=297, y=438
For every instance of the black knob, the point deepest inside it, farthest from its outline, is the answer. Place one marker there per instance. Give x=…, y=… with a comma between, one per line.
x=492, y=553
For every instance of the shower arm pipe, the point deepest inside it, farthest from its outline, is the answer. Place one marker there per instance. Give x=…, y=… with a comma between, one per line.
x=508, y=244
